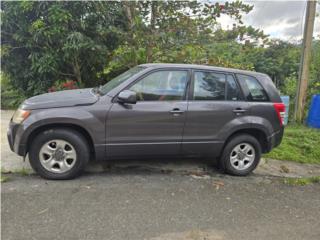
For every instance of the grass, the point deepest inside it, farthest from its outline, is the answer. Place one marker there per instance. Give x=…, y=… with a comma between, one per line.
x=302, y=181
x=299, y=144
x=4, y=178
x=23, y=172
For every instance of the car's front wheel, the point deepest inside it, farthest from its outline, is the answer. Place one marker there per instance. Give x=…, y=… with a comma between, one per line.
x=241, y=155
x=59, y=153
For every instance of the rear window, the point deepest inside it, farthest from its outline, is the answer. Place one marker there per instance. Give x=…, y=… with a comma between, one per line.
x=255, y=91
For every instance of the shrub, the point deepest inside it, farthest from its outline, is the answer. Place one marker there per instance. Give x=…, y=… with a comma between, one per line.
x=11, y=98
x=64, y=85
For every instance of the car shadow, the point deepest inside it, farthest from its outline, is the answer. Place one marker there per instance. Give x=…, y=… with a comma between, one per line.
x=195, y=166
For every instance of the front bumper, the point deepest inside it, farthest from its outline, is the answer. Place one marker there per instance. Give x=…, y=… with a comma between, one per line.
x=14, y=139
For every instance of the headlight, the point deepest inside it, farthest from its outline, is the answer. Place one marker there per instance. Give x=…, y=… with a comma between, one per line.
x=20, y=115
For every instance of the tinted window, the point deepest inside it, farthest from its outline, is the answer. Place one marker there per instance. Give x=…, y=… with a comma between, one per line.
x=161, y=86
x=233, y=91
x=256, y=91
x=209, y=86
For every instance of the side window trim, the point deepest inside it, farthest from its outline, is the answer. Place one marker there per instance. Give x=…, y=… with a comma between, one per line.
x=159, y=70
x=186, y=92
x=242, y=98
x=244, y=88
x=191, y=86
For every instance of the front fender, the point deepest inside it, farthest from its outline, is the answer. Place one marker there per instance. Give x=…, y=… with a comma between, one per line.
x=78, y=116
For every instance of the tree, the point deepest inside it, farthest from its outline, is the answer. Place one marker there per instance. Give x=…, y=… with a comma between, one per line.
x=47, y=41
x=165, y=30
x=44, y=43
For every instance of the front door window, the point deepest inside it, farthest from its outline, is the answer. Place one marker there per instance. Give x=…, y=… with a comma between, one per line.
x=162, y=86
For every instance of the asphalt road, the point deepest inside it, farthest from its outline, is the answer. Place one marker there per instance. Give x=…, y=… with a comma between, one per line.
x=158, y=200
x=140, y=204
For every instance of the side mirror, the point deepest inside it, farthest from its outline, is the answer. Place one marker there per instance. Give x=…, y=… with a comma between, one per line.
x=127, y=96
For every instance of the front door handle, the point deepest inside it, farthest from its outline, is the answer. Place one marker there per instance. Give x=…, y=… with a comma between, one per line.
x=176, y=111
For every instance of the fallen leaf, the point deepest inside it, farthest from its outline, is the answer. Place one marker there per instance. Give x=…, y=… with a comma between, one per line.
x=43, y=211
x=218, y=184
x=284, y=169
x=200, y=177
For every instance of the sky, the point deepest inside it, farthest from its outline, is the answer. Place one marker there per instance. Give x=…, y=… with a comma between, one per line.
x=279, y=19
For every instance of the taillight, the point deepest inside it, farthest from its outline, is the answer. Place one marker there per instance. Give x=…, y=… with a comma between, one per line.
x=281, y=110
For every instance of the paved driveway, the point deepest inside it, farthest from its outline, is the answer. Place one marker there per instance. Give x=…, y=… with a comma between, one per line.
x=135, y=205
x=158, y=200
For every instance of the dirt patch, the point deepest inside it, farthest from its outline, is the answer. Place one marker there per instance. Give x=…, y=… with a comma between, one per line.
x=278, y=168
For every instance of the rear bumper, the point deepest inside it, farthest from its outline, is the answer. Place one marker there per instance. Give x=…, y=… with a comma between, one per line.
x=274, y=140
x=14, y=137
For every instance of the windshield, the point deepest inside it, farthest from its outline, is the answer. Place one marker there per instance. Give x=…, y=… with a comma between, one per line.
x=119, y=79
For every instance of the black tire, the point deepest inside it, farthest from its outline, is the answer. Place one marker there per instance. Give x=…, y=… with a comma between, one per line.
x=225, y=163
x=77, y=140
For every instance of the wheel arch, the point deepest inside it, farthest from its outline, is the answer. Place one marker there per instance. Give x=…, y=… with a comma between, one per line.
x=259, y=134
x=72, y=126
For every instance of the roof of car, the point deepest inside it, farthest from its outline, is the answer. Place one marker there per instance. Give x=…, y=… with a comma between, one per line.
x=203, y=67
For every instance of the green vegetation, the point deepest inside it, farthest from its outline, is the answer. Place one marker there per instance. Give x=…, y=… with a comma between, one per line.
x=4, y=178
x=301, y=181
x=10, y=97
x=23, y=172
x=44, y=42
x=299, y=144
x=47, y=45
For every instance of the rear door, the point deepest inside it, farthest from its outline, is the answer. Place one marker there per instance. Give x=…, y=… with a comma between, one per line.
x=215, y=102
x=154, y=125
x=261, y=105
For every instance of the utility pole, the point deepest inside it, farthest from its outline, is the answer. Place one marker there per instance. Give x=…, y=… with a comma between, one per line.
x=305, y=61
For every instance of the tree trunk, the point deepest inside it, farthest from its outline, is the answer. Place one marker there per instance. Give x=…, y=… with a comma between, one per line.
x=77, y=72
x=129, y=11
x=130, y=14
x=150, y=44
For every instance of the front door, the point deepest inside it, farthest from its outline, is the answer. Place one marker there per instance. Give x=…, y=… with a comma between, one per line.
x=154, y=125
x=215, y=104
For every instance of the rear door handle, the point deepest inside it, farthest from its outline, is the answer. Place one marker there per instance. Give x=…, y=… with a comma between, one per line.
x=239, y=110
x=176, y=111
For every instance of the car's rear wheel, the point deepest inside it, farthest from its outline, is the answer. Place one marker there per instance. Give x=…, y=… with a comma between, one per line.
x=59, y=154
x=241, y=155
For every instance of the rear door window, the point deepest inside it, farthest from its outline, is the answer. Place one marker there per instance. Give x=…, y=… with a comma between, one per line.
x=255, y=91
x=209, y=86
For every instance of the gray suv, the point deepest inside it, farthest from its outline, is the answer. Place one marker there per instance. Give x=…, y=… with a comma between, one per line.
x=149, y=111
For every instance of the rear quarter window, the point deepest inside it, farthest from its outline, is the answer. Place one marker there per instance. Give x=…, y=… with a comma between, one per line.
x=252, y=88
